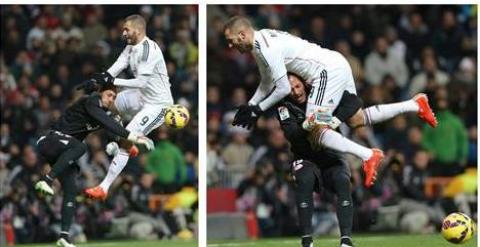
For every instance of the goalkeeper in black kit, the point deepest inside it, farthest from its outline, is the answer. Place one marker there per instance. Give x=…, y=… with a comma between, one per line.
x=62, y=146
x=314, y=167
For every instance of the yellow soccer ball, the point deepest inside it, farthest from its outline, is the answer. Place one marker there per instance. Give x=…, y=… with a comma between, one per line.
x=177, y=116
x=458, y=228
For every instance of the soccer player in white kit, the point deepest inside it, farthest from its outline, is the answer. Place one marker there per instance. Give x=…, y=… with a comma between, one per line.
x=328, y=73
x=145, y=98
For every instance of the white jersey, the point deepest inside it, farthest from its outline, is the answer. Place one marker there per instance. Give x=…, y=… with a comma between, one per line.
x=277, y=52
x=148, y=66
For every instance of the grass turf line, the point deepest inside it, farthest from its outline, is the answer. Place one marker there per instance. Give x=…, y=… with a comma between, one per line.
x=124, y=243
x=386, y=240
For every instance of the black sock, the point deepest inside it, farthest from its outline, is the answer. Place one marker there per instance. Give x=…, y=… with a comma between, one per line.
x=344, y=204
x=305, y=181
x=69, y=193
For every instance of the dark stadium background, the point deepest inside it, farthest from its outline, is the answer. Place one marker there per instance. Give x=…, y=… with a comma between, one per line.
x=45, y=52
x=427, y=173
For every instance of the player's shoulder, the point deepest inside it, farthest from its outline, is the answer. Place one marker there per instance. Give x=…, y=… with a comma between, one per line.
x=152, y=45
x=266, y=41
x=92, y=99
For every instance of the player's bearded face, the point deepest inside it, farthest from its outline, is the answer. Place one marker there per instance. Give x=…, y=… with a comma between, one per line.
x=238, y=41
x=130, y=34
x=298, y=92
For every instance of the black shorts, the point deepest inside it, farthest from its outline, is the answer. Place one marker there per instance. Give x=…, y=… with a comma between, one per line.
x=348, y=106
x=324, y=174
x=54, y=144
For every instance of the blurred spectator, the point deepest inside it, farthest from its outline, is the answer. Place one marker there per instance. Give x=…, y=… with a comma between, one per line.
x=167, y=164
x=416, y=35
x=237, y=153
x=414, y=177
x=429, y=77
x=94, y=31
x=447, y=40
x=343, y=47
x=448, y=142
x=183, y=51
x=472, y=145
x=382, y=62
x=467, y=72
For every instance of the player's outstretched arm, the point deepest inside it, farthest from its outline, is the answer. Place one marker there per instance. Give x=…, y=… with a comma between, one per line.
x=120, y=64
x=95, y=110
x=282, y=90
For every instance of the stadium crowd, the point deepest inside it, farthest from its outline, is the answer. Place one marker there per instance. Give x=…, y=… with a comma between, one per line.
x=395, y=52
x=45, y=52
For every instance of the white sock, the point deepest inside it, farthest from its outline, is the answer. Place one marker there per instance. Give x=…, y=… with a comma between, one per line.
x=379, y=113
x=118, y=163
x=334, y=140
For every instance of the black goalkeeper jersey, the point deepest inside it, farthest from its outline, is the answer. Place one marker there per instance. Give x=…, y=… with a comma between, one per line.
x=291, y=117
x=85, y=116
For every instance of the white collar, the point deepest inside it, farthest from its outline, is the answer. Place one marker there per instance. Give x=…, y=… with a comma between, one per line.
x=141, y=42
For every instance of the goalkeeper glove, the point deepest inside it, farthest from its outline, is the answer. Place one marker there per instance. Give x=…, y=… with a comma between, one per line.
x=103, y=78
x=89, y=86
x=141, y=140
x=247, y=116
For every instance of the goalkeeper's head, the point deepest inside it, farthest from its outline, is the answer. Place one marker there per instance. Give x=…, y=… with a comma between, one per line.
x=299, y=89
x=108, y=94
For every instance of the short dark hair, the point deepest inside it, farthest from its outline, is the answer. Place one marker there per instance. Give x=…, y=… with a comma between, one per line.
x=108, y=86
x=138, y=21
x=237, y=21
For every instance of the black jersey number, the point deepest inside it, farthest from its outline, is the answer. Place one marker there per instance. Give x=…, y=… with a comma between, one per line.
x=144, y=121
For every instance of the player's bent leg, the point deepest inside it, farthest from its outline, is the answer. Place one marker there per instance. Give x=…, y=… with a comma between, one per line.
x=71, y=150
x=304, y=187
x=128, y=103
x=418, y=104
x=372, y=158
x=100, y=192
x=357, y=120
x=322, y=135
x=149, y=118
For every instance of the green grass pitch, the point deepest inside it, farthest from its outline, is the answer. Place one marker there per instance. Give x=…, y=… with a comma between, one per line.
x=126, y=243
x=385, y=240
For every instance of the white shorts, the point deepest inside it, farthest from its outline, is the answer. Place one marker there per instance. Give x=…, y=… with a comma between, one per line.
x=144, y=117
x=328, y=88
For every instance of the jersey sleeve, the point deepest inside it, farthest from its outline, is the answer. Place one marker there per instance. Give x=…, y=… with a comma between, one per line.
x=282, y=90
x=262, y=91
x=94, y=109
x=276, y=71
x=132, y=83
x=273, y=61
x=120, y=64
